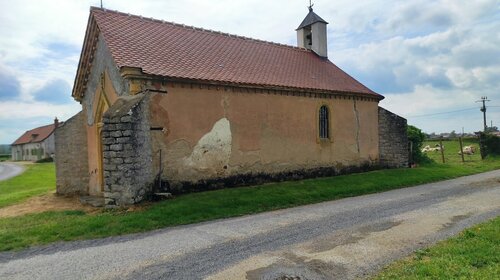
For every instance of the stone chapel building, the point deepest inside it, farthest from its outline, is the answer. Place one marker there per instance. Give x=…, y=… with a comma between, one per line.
x=166, y=105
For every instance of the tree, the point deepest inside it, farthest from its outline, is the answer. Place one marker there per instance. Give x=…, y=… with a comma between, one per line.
x=492, y=129
x=417, y=138
x=453, y=134
x=489, y=144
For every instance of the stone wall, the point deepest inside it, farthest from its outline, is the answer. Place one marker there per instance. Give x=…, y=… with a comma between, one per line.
x=393, y=139
x=71, y=161
x=127, y=160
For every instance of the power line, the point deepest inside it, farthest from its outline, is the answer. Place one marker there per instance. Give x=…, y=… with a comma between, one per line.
x=442, y=113
x=448, y=112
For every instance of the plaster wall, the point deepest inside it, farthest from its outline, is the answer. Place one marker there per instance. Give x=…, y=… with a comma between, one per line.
x=319, y=39
x=209, y=133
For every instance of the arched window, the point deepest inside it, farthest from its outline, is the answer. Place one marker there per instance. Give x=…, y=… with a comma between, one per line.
x=323, y=123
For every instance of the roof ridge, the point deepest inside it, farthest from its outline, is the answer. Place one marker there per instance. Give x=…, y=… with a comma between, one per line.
x=92, y=8
x=39, y=127
x=46, y=125
x=44, y=131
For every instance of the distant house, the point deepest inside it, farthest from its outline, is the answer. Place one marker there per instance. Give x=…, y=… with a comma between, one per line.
x=35, y=144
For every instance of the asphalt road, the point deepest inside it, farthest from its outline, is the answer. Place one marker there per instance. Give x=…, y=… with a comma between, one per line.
x=9, y=170
x=342, y=239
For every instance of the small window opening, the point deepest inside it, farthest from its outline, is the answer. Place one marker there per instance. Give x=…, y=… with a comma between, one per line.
x=309, y=39
x=323, y=123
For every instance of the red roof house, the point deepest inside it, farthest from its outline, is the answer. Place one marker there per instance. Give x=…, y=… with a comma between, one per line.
x=173, y=108
x=36, y=143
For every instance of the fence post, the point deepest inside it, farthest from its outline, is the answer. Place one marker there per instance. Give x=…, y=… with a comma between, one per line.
x=441, y=148
x=461, y=149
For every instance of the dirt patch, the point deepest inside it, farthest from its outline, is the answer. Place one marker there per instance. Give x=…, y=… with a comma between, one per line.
x=47, y=202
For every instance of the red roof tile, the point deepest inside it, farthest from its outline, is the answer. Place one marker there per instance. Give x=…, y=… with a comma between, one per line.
x=36, y=135
x=178, y=51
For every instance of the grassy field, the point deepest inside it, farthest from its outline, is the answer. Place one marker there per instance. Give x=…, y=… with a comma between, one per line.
x=451, y=149
x=473, y=254
x=43, y=228
x=37, y=179
x=4, y=157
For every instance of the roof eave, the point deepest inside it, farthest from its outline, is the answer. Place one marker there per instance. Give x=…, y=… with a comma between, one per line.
x=133, y=72
x=86, y=58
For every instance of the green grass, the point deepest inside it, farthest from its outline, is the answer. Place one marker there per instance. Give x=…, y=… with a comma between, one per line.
x=451, y=149
x=37, y=179
x=473, y=254
x=43, y=228
x=4, y=157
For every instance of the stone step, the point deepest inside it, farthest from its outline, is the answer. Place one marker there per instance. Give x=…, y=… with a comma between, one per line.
x=164, y=195
x=95, y=201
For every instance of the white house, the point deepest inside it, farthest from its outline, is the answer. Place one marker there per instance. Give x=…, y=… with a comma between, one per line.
x=35, y=144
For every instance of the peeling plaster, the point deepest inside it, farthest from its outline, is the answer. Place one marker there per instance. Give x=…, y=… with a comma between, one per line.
x=213, y=150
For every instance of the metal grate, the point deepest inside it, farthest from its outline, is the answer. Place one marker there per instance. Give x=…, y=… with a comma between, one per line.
x=323, y=123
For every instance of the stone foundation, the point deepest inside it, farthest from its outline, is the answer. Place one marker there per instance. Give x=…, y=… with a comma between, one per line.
x=250, y=179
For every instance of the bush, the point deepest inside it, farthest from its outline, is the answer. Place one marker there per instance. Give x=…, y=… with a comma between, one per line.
x=49, y=159
x=417, y=138
x=491, y=143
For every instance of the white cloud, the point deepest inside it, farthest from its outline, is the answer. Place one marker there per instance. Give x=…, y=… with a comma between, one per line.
x=424, y=70
x=424, y=56
x=435, y=110
x=11, y=110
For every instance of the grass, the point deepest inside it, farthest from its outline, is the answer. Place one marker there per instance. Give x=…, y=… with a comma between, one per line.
x=473, y=254
x=36, y=229
x=4, y=157
x=37, y=179
x=451, y=149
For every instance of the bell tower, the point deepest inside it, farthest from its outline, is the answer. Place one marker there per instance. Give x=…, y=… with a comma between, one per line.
x=311, y=34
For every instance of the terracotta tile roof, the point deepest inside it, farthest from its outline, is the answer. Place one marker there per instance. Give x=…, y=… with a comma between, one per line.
x=36, y=135
x=178, y=51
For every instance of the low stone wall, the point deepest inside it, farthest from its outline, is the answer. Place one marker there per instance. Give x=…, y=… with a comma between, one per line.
x=393, y=139
x=127, y=152
x=71, y=158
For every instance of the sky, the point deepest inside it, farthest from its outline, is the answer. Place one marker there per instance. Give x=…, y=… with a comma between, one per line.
x=432, y=60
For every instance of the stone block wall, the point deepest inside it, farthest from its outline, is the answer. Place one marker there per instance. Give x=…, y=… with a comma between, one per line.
x=393, y=139
x=127, y=160
x=71, y=156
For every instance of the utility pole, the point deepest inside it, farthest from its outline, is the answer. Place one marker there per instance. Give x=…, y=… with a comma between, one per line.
x=484, y=99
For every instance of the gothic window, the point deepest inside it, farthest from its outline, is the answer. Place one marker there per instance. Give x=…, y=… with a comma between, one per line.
x=323, y=123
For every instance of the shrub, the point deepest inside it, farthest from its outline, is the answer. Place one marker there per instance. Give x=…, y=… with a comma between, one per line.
x=417, y=138
x=48, y=159
x=490, y=143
